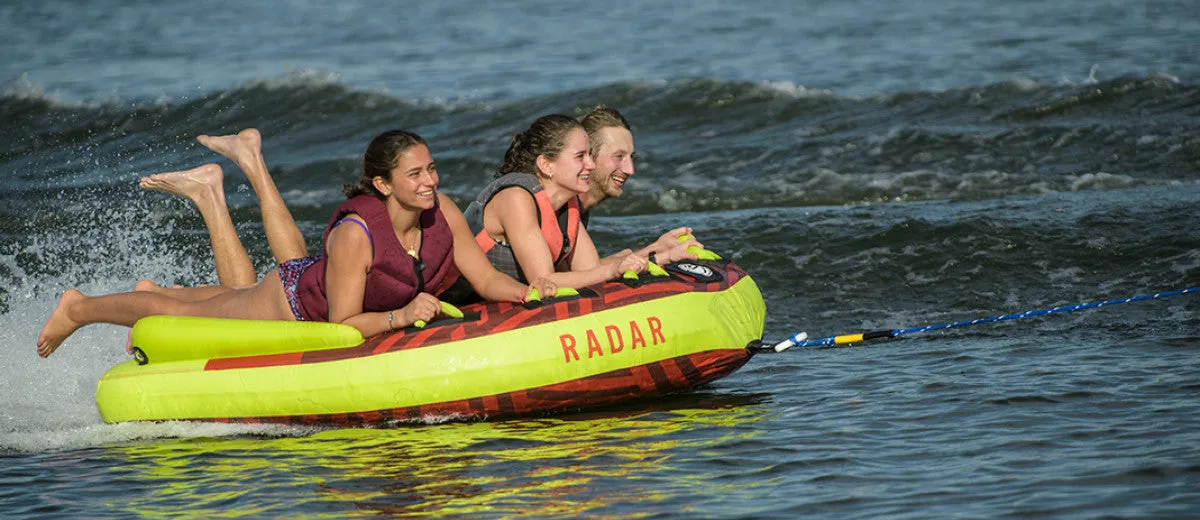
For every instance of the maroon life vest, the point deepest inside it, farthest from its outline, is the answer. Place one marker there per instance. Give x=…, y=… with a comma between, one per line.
x=392, y=281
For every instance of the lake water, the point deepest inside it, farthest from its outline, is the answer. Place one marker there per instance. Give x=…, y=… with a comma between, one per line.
x=871, y=165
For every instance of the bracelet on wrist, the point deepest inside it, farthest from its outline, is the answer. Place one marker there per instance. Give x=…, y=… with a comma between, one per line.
x=390, y=327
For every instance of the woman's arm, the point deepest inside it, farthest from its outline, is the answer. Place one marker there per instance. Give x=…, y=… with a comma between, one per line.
x=666, y=248
x=585, y=252
x=516, y=214
x=616, y=257
x=489, y=283
x=349, y=255
x=584, y=256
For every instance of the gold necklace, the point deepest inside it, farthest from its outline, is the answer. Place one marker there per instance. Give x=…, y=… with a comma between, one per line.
x=412, y=251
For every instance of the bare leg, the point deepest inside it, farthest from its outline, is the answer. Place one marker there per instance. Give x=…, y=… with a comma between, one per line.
x=205, y=187
x=265, y=301
x=184, y=294
x=245, y=149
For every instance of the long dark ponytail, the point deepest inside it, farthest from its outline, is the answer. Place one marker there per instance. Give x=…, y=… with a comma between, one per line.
x=546, y=136
x=379, y=159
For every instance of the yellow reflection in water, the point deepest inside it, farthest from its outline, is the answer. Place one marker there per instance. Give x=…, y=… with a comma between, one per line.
x=550, y=466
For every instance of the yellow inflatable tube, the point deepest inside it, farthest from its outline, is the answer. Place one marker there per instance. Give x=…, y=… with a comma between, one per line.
x=611, y=342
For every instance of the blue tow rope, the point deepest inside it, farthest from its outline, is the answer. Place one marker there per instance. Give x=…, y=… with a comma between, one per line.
x=800, y=339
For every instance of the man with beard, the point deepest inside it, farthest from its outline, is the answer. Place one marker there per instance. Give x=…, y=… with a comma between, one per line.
x=611, y=144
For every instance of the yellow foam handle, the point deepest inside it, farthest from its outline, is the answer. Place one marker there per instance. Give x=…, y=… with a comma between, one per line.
x=450, y=310
x=535, y=296
x=703, y=254
x=447, y=309
x=700, y=253
x=655, y=269
x=630, y=275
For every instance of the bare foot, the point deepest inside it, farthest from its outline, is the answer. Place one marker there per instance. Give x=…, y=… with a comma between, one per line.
x=243, y=148
x=198, y=184
x=59, y=326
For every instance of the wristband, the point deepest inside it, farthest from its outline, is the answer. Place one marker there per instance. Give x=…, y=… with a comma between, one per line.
x=390, y=327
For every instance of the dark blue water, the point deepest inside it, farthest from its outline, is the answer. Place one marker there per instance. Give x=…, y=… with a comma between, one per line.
x=872, y=165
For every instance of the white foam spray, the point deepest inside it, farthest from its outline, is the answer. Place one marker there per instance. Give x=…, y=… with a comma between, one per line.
x=49, y=404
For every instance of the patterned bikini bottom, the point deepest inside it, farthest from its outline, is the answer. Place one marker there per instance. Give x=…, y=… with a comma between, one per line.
x=289, y=276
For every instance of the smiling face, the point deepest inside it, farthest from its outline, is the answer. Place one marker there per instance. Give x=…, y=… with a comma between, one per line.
x=614, y=161
x=414, y=179
x=573, y=166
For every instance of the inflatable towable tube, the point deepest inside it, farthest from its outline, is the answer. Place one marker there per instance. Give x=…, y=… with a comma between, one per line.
x=611, y=342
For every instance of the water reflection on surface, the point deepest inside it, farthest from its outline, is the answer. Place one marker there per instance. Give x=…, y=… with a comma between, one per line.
x=600, y=462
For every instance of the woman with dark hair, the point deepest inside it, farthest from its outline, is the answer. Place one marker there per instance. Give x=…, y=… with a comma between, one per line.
x=528, y=220
x=386, y=248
